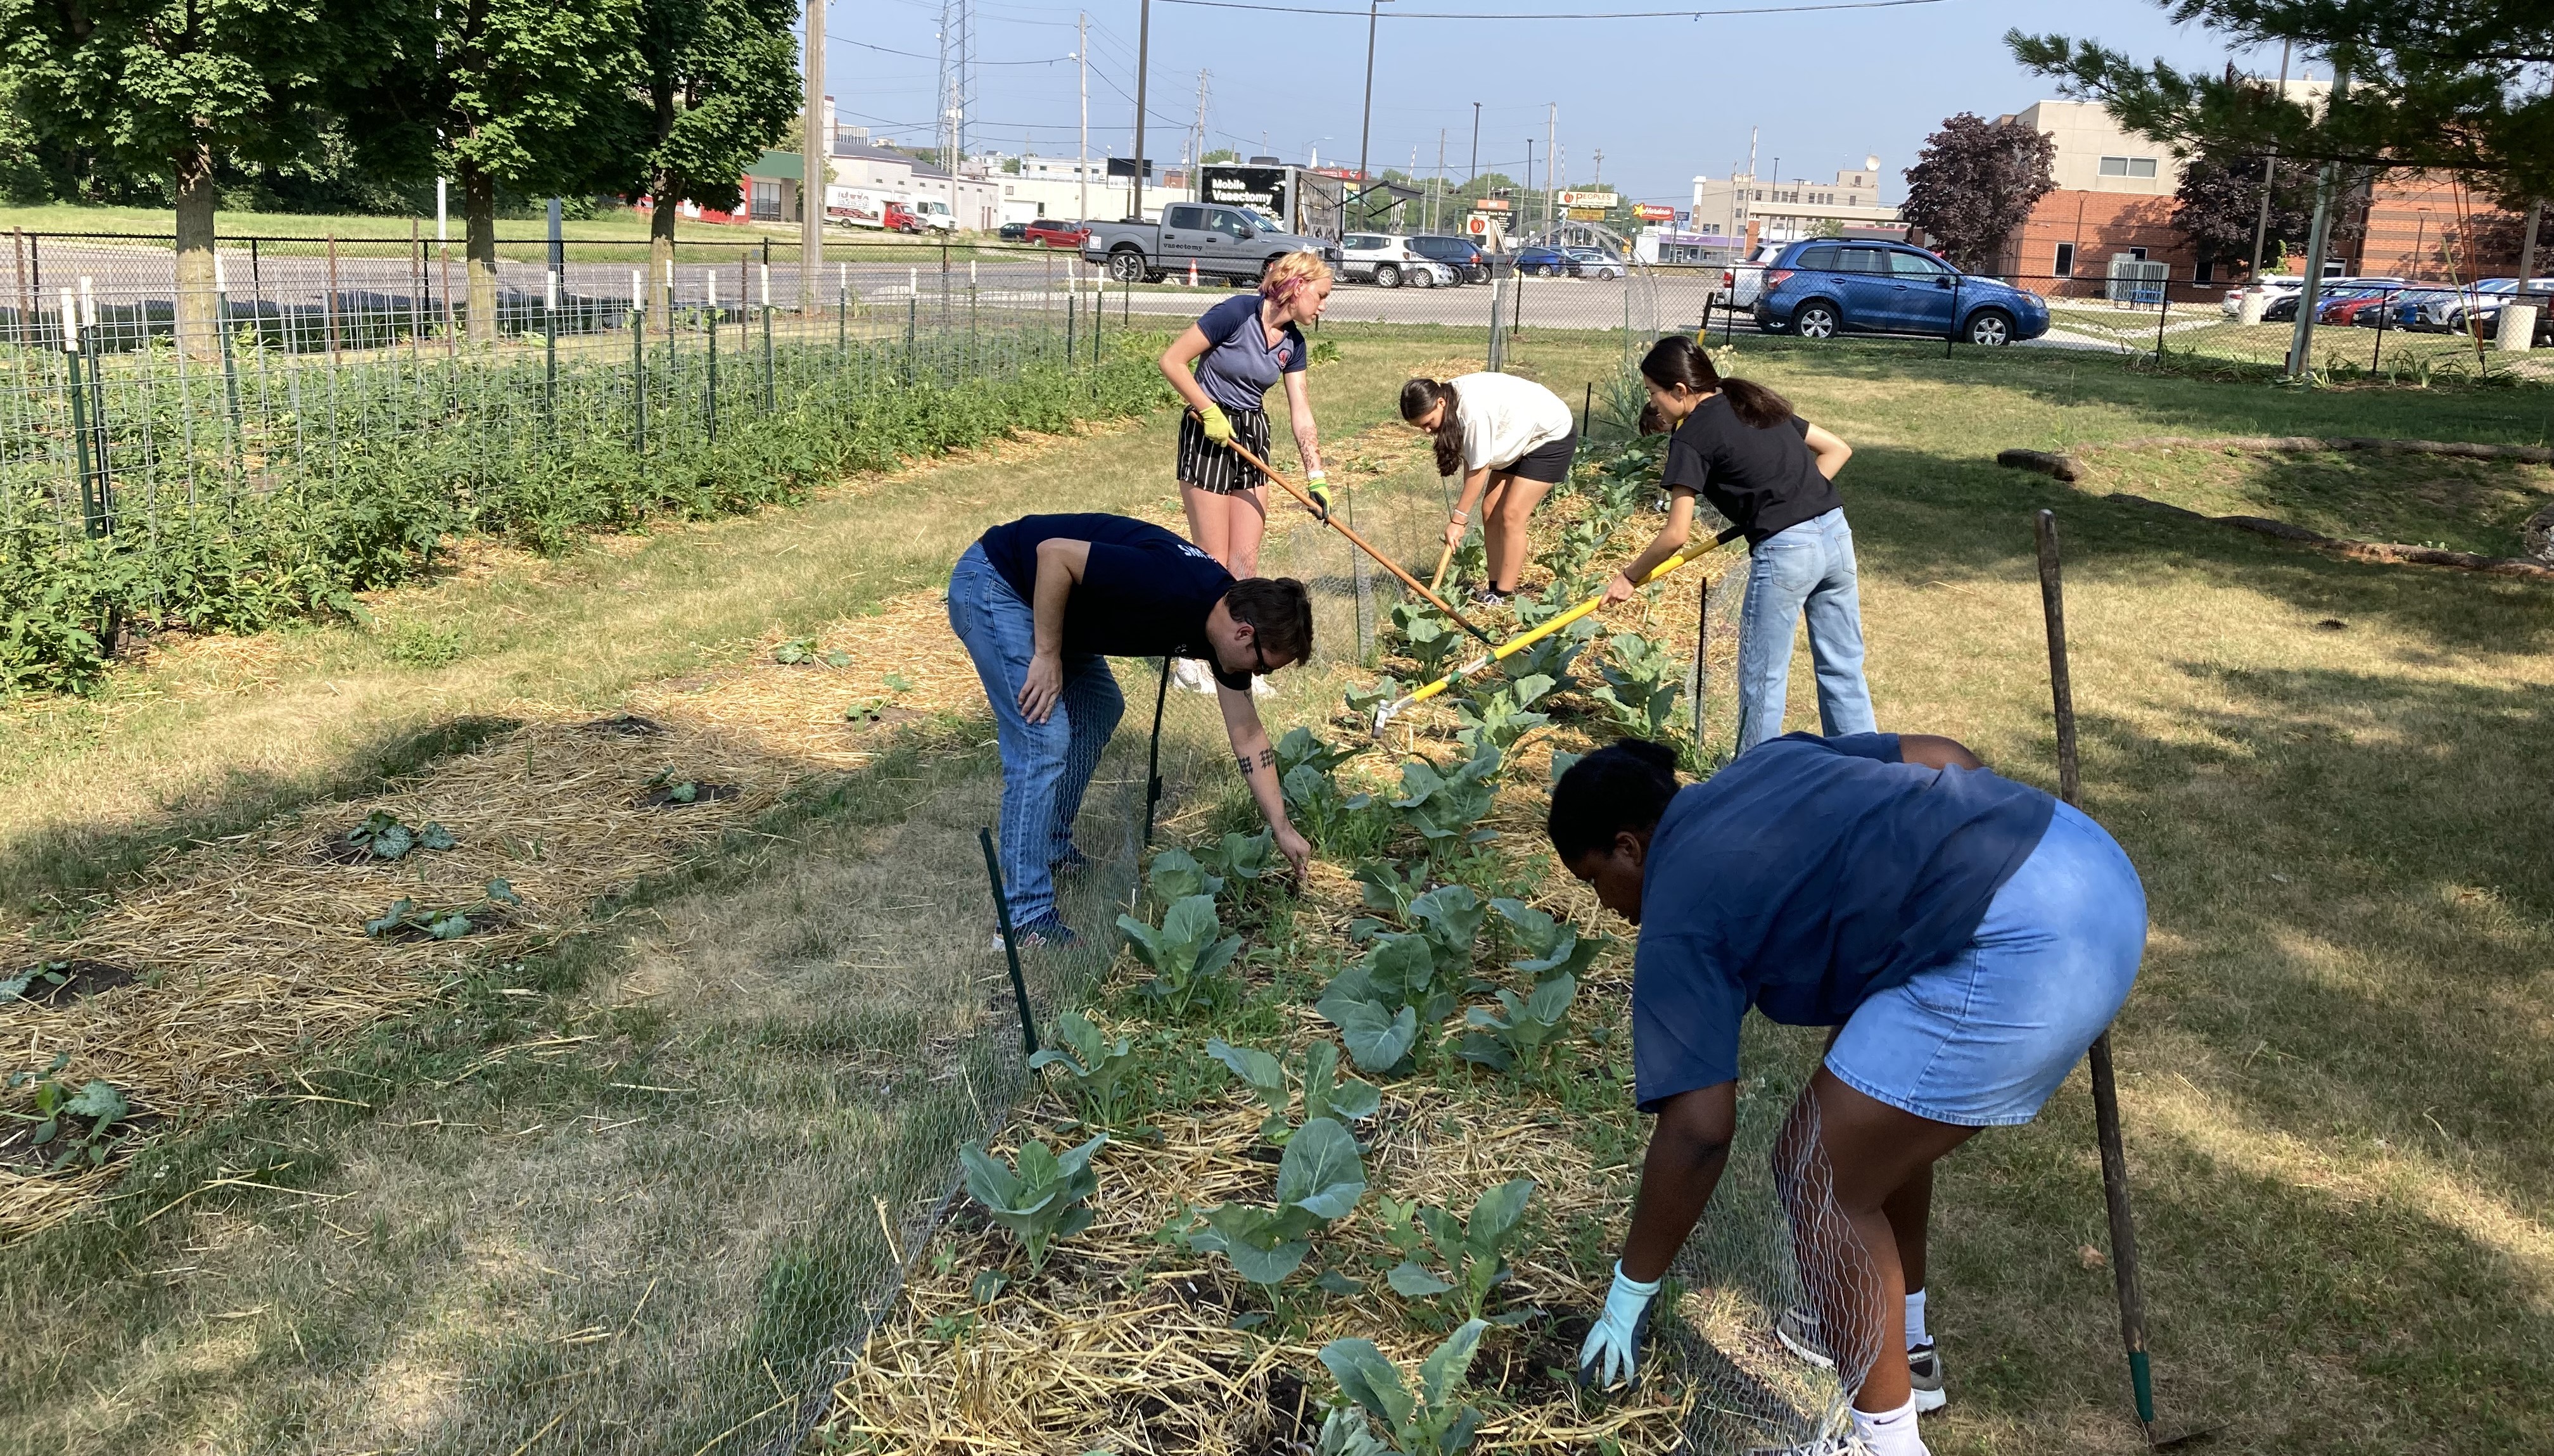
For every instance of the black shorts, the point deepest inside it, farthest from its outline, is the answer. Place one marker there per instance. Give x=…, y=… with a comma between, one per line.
x=1215, y=469
x=1549, y=464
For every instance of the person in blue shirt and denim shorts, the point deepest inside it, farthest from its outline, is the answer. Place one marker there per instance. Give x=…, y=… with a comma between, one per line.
x=1738, y=445
x=1968, y=938
x=1223, y=367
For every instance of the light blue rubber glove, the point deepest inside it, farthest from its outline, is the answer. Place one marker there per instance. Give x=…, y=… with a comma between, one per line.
x=1612, y=1353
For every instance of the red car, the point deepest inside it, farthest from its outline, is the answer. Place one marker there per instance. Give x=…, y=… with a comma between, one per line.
x=2347, y=310
x=1050, y=233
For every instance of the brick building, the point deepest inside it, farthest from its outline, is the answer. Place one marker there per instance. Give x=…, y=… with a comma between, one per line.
x=2430, y=228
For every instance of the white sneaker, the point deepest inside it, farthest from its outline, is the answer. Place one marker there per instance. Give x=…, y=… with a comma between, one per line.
x=1189, y=676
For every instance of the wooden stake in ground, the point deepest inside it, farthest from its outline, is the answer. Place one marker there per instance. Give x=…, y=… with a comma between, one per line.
x=2106, y=1091
x=1362, y=543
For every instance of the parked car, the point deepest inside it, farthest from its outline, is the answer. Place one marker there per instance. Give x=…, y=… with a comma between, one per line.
x=2451, y=310
x=1819, y=288
x=1049, y=232
x=1544, y=262
x=1595, y=263
x=2273, y=284
x=1388, y=261
x=1012, y=232
x=1743, y=281
x=1222, y=243
x=2285, y=310
x=932, y=215
x=2347, y=310
x=1471, y=264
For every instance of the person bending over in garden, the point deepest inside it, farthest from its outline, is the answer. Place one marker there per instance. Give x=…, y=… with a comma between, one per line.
x=1511, y=440
x=1224, y=366
x=1772, y=474
x=1041, y=604
x=1968, y=936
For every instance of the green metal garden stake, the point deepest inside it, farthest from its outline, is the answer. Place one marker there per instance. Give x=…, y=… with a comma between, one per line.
x=1010, y=944
x=79, y=409
x=638, y=365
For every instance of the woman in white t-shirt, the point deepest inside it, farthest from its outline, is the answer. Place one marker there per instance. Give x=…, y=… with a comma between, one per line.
x=1511, y=440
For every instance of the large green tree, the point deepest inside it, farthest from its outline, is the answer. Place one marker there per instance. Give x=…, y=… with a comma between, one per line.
x=529, y=96
x=170, y=86
x=717, y=85
x=2450, y=85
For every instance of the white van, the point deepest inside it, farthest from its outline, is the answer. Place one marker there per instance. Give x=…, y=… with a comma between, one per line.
x=933, y=213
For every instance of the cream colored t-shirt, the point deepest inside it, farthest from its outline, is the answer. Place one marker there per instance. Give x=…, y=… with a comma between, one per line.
x=1506, y=419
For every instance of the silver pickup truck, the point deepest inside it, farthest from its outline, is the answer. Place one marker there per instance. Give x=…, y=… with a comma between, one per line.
x=1224, y=243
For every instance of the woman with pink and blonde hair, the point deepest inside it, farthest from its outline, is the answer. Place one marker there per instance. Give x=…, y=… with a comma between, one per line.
x=1223, y=367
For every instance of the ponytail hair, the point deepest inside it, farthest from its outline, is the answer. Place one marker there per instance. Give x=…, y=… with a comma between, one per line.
x=1677, y=360
x=1421, y=396
x=1625, y=785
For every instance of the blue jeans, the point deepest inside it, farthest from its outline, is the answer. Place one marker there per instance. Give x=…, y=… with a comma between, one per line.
x=1809, y=565
x=1046, y=766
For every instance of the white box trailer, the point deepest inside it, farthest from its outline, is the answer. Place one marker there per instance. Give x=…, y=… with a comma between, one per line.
x=855, y=206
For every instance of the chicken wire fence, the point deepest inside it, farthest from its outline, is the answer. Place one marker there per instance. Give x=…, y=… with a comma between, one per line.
x=125, y=393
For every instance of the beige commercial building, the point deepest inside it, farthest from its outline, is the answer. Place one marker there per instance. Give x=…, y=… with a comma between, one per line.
x=1767, y=212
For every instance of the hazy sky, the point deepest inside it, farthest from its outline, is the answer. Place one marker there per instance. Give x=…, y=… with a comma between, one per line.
x=1664, y=99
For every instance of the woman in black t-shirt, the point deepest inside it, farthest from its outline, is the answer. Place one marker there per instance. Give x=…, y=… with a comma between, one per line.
x=1772, y=474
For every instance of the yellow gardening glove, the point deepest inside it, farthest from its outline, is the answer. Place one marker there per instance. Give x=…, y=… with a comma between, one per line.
x=1318, y=486
x=1218, y=427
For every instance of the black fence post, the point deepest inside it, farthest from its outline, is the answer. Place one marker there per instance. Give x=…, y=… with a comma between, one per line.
x=2378, y=353
x=712, y=315
x=2164, y=311
x=1951, y=336
x=639, y=366
x=1154, y=762
x=1701, y=663
x=1010, y=944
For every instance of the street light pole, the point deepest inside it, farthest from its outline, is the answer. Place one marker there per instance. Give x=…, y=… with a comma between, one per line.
x=1476, y=145
x=1366, y=125
x=1143, y=54
x=1082, y=56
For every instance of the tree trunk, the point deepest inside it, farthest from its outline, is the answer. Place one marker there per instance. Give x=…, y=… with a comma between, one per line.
x=479, y=211
x=198, y=311
x=660, y=251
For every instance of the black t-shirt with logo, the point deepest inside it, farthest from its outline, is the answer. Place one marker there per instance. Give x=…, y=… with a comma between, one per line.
x=1144, y=592
x=1764, y=481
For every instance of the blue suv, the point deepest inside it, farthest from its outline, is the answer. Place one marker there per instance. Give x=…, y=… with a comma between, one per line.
x=1823, y=287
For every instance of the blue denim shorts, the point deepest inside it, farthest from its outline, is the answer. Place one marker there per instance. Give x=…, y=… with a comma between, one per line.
x=1983, y=1038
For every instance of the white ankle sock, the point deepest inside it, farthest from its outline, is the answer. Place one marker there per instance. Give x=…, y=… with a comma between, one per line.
x=1915, y=1334
x=1890, y=1432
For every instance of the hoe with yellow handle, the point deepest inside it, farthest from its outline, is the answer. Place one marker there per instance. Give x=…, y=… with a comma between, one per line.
x=1689, y=554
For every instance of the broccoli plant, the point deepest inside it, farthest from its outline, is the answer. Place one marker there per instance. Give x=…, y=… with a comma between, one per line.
x=1470, y=1254
x=1642, y=684
x=1241, y=857
x=1187, y=952
x=1320, y=1179
x=1501, y=716
x=1176, y=876
x=1040, y=1202
x=1445, y=807
x=1362, y=702
x=448, y=923
x=1299, y=748
x=1575, y=548
x=1426, y=637
x=1099, y=1069
x=1553, y=946
x=101, y=1104
x=1428, y=1421
x=803, y=653
x=1449, y=918
x=1520, y=1035
x=1551, y=656
x=1315, y=805
x=1379, y=1002
x=386, y=838
x=1389, y=888
x=1325, y=1094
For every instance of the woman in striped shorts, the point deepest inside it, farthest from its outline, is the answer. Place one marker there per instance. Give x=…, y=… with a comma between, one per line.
x=1223, y=367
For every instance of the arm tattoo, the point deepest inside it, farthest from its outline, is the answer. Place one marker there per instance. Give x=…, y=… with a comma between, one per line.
x=1267, y=759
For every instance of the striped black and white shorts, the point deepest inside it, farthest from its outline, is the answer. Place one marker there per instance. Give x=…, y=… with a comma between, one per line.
x=1216, y=470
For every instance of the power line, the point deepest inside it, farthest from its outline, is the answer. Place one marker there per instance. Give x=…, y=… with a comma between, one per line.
x=1565, y=14
x=917, y=56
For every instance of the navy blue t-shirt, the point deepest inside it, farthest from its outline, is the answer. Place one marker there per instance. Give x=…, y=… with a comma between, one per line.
x=1801, y=879
x=1240, y=365
x=1146, y=593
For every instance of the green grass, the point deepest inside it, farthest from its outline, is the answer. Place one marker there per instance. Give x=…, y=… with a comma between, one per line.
x=2473, y=505
x=2333, y=1069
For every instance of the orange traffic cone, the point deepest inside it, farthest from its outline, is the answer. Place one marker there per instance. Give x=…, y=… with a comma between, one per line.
x=1192, y=278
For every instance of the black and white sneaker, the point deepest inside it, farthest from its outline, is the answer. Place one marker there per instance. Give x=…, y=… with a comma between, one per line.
x=1048, y=933
x=1798, y=1329
x=1492, y=597
x=1924, y=1373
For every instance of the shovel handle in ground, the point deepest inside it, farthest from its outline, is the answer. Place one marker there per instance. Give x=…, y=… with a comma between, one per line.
x=2106, y=1090
x=1442, y=560
x=1524, y=640
x=1343, y=527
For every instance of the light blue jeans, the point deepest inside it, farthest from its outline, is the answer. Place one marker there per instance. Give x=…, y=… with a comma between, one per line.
x=1808, y=566
x=1984, y=1038
x=1046, y=766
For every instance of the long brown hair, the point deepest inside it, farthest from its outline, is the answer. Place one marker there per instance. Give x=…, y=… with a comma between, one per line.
x=1677, y=360
x=1421, y=396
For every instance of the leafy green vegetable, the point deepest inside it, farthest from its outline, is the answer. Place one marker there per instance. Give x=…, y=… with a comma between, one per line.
x=896, y=682
x=1553, y=946
x=1389, y=888
x=1315, y=805
x=1042, y=1201
x=1426, y=637
x=1444, y=807
x=1345, y=1434
x=1642, y=684
x=1428, y=1421
x=1320, y=1179
x=1500, y=716
x=1188, y=953
x=1241, y=857
x=1561, y=762
x=1379, y=1003
x=1470, y=1252
x=802, y=652
x=1176, y=876
x=1300, y=748
x=1326, y=1096
x=389, y=838
x=1521, y=1034
x=53, y=973
x=446, y=924
x=1449, y=918
x=1098, y=1067
x=1362, y=702
x=101, y=1103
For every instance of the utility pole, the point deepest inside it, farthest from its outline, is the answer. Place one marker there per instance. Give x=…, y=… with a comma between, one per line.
x=1143, y=59
x=1196, y=144
x=1596, y=179
x=1551, y=160
x=1476, y=145
x=1440, y=192
x=1365, y=124
x=1082, y=55
x=818, y=166
x=2269, y=163
x=1528, y=196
